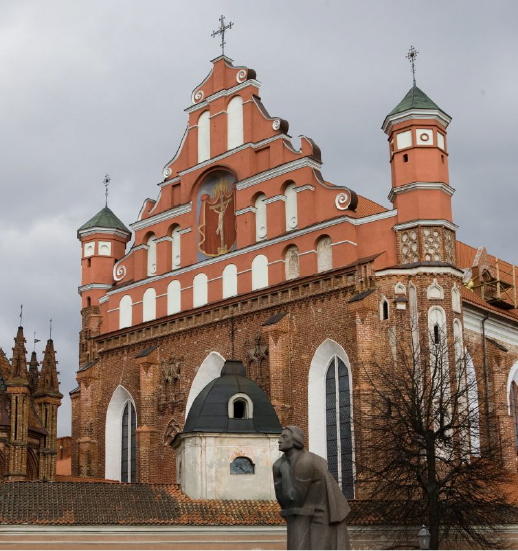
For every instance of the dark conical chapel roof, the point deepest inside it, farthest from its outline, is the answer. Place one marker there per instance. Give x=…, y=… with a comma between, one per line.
x=105, y=218
x=209, y=411
x=414, y=99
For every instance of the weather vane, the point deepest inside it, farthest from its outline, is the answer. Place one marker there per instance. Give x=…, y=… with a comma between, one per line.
x=221, y=31
x=106, y=183
x=411, y=56
x=35, y=341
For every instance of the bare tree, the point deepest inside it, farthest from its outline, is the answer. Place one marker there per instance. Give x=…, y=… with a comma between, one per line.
x=421, y=444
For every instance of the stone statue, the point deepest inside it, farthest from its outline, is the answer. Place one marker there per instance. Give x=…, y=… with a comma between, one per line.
x=312, y=503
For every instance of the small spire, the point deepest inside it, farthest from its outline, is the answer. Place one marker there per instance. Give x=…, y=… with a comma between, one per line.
x=33, y=372
x=19, y=360
x=221, y=31
x=21, y=315
x=48, y=378
x=412, y=56
x=106, y=183
x=50, y=329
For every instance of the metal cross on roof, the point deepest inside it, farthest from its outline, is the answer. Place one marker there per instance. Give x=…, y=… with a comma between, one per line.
x=21, y=314
x=411, y=56
x=106, y=183
x=221, y=30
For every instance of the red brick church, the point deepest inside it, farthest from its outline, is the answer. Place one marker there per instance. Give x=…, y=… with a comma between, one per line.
x=248, y=253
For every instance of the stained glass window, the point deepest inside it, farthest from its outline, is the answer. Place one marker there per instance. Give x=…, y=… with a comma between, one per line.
x=129, y=444
x=338, y=426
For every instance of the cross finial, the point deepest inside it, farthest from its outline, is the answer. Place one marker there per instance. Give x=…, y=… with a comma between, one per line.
x=21, y=314
x=411, y=56
x=221, y=30
x=106, y=183
x=50, y=328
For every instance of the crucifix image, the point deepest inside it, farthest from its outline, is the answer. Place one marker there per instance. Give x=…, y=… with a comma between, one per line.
x=220, y=209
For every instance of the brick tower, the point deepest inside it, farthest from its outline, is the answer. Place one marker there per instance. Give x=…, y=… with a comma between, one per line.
x=421, y=193
x=19, y=394
x=103, y=242
x=47, y=400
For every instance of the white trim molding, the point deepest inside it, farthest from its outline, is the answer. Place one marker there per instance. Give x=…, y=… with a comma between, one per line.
x=414, y=223
x=274, y=199
x=166, y=215
x=420, y=270
x=92, y=286
x=420, y=185
x=113, y=231
x=221, y=94
x=423, y=114
x=504, y=331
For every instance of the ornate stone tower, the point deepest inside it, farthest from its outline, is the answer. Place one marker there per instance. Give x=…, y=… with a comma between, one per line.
x=103, y=242
x=421, y=193
x=47, y=399
x=19, y=394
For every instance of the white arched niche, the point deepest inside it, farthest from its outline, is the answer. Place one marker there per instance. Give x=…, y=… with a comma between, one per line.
x=174, y=297
x=204, y=137
x=235, y=122
x=125, y=312
x=259, y=272
x=209, y=370
x=291, y=207
x=176, y=236
x=230, y=281
x=317, y=395
x=149, y=305
x=113, y=436
x=200, y=290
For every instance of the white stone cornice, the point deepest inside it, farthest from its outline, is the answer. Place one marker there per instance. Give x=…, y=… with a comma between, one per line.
x=166, y=215
x=500, y=329
x=221, y=94
x=92, y=286
x=245, y=210
x=420, y=270
x=185, y=230
x=414, y=223
x=373, y=217
x=420, y=185
x=278, y=171
x=91, y=231
x=274, y=199
x=307, y=187
x=421, y=114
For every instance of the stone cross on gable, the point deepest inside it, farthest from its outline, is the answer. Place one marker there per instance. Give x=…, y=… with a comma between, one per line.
x=221, y=30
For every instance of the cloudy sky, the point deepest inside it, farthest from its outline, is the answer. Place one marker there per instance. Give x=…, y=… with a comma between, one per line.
x=89, y=87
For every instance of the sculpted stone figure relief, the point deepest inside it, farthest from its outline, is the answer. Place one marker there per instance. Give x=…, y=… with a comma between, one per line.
x=312, y=503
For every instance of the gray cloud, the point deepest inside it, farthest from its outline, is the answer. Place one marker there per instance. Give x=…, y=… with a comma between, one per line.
x=94, y=87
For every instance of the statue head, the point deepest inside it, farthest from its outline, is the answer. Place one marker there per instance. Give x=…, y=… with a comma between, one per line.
x=291, y=437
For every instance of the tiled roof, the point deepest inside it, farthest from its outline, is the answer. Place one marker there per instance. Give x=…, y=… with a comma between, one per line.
x=94, y=503
x=116, y=504
x=366, y=207
x=104, y=219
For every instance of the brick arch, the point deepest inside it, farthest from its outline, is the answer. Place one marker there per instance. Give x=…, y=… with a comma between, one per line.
x=209, y=370
x=317, y=393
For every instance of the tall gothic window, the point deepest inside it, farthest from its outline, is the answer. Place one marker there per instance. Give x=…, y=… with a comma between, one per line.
x=129, y=444
x=338, y=426
x=513, y=400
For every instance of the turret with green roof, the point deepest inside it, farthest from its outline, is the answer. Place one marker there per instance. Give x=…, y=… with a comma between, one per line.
x=105, y=219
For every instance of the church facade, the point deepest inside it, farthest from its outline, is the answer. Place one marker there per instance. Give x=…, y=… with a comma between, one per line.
x=29, y=402
x=248, y=253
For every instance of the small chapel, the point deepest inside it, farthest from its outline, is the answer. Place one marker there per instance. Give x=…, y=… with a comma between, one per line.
x=29, y=402
x=250, y=268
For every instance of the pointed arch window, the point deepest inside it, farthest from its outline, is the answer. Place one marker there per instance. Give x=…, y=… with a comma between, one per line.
x=129, y=444
x=338, y=425
x=513, y=401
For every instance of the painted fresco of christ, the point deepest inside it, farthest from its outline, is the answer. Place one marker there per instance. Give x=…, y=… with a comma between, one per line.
x=217, y=226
